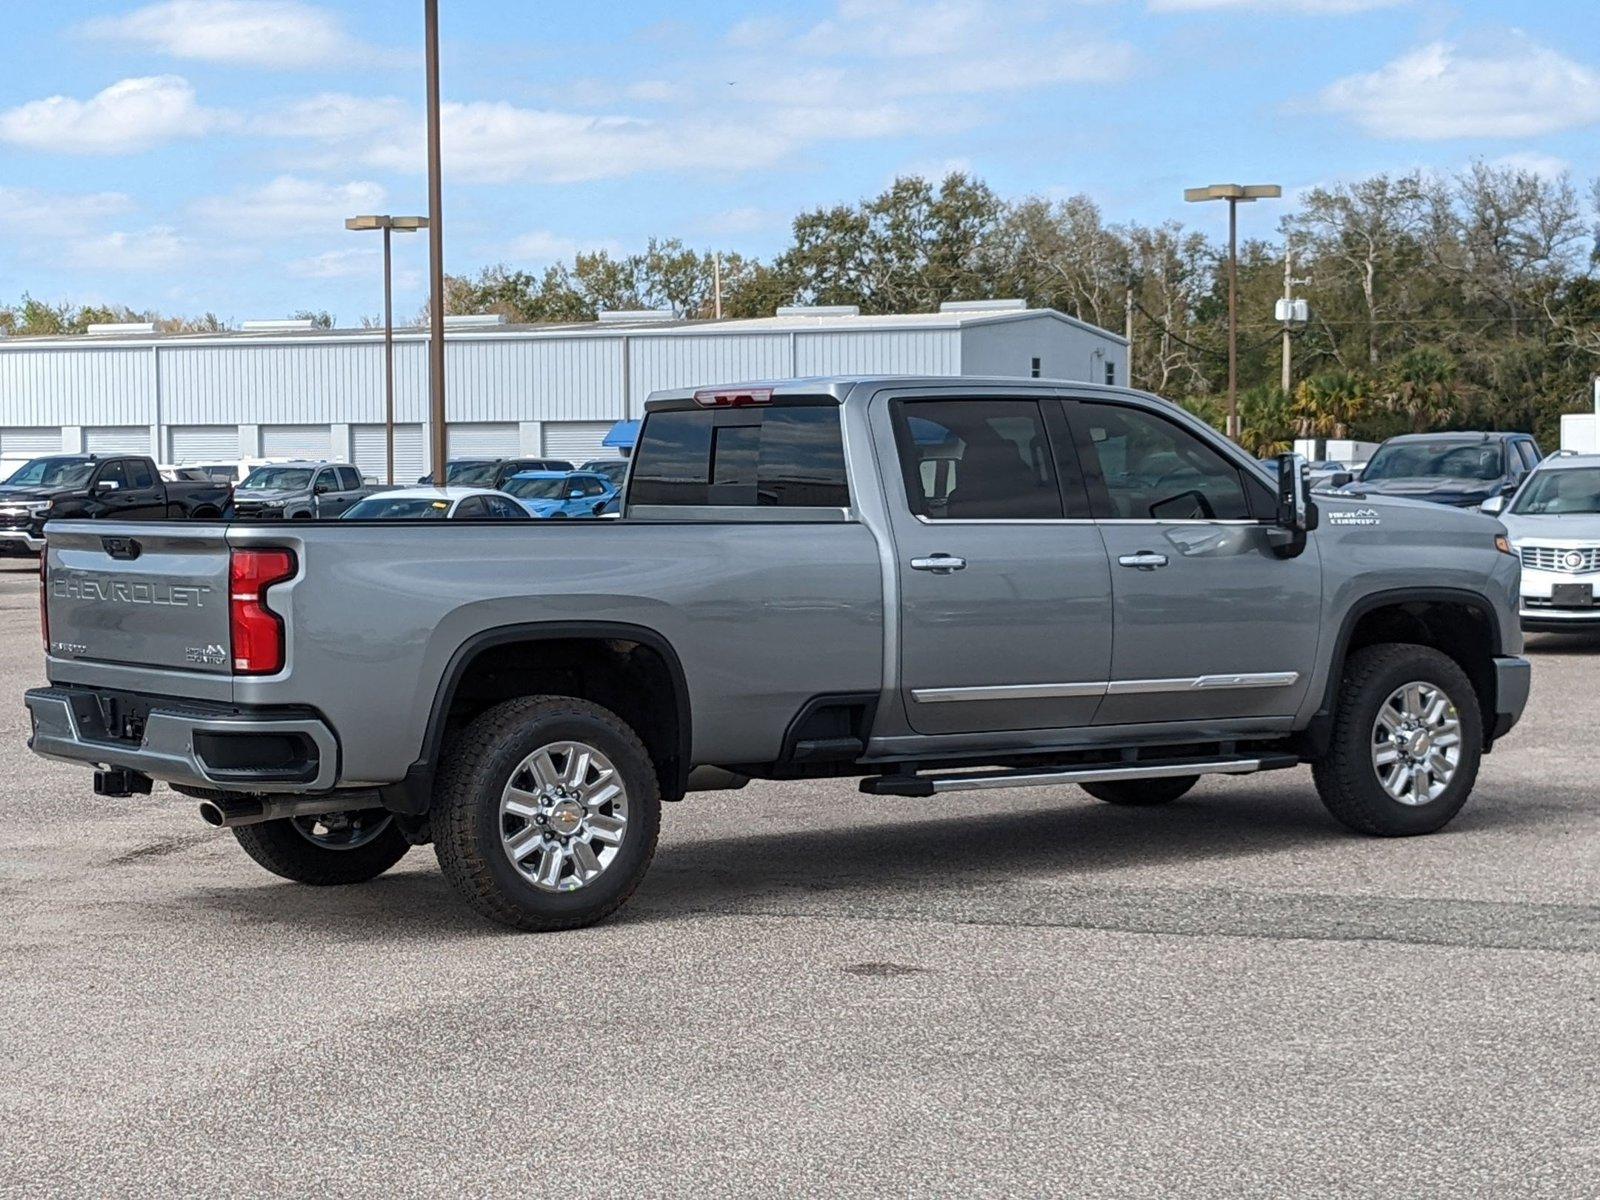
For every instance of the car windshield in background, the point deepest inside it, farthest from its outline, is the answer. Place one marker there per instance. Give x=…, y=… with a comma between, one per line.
x=277, y=479
x=477, y=475
x=1550, y=493
x=1437, y=460
x=537, y=489
x=405, y=508
x=52, y=472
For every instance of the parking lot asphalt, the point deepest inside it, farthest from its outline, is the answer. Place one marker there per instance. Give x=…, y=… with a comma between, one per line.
x=820, y=993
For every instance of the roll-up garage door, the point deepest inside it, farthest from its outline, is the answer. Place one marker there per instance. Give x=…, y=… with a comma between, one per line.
x=296, y=441
x=577, y=441
x=484, y=440
x=30, y=443
x=203, y=443
x=372, y=454
x=116, y=439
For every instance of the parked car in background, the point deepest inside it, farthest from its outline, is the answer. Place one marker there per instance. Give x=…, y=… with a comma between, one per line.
x=232, y=470
x=1459, y=469
x=614, y=470
x=437, y=504
x=79, y=486
x=1554, y=525
x=1330, y=474
x=493, y=473
x=299, y=490
x=563, y=493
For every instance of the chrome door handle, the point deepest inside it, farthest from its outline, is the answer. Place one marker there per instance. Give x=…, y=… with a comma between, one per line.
x=1145, y=560
x=939, y=564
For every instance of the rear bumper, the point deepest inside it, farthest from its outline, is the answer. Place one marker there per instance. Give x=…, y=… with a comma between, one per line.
x=191, y=744
x=1513, y=678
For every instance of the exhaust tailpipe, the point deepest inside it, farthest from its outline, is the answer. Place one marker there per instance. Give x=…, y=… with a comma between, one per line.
x=230, y=812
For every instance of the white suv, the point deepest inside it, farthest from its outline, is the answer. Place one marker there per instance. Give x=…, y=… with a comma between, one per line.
x=1554, y=523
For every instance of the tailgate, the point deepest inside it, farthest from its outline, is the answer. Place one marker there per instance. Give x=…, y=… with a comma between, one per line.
x=139, y=594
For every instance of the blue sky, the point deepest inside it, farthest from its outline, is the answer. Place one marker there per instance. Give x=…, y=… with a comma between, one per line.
x=194, y=155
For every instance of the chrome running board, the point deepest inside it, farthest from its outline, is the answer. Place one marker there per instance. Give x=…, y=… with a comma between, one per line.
x=970, y=781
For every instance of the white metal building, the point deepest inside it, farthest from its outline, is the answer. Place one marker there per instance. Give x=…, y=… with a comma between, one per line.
x=277, y=389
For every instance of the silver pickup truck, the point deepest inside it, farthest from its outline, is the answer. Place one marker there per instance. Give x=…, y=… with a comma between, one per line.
x=928, y=584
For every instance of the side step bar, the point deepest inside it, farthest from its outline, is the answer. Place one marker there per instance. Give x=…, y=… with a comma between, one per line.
x=937, y=785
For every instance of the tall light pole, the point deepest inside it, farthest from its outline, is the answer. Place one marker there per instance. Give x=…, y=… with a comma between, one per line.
x=440, y=446
x=1235, y=194
x=388, y=224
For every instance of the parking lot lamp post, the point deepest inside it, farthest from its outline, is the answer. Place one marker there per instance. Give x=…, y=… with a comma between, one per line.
x=1235, y=194
x=430, y=9
x=388, y=225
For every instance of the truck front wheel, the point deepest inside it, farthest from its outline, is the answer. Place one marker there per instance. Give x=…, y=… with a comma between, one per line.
x=326, y=851
x=1407, y=740
x=546, y=813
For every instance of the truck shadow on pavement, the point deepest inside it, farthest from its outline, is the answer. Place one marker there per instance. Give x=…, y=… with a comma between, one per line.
x=1040, y=866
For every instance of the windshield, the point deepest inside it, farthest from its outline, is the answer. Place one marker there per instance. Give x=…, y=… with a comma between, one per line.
x=1437, y=460
x=613, y=471
x=53, y=472
x=537, y=489
x=477, y=475
x=277, y=479
x=401, y=508
x=1576, y=490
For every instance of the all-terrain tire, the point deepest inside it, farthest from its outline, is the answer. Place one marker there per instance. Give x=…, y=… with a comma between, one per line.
x=285, y=851
x=1346, y=777
x=1141, y=793
x=467, y=823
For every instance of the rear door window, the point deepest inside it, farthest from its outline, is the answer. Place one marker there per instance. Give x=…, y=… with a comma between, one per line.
x=983, y=460
x=786, y=456
x=139, y=474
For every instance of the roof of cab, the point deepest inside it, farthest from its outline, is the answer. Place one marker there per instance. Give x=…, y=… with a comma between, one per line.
x=839, y=387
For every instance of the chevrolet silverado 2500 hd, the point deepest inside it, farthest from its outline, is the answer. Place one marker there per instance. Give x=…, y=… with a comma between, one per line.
x=929, y=584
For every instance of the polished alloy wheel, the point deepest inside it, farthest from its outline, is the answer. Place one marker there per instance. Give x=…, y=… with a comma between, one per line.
x=563, y=816
x=1416, y=743
x=343, y=831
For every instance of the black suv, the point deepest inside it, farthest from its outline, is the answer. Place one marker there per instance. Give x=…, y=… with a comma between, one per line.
x=1459, y=469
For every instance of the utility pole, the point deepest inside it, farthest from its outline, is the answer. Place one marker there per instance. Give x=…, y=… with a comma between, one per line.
x=436, y=408
x=1288, y=301
x=1127, y=329
x=716, y=282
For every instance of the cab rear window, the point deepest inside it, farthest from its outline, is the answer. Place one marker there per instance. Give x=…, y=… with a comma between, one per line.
x=786, y=456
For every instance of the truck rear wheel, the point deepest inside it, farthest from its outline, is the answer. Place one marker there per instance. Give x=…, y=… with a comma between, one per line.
x=1141, y=793
x=1407, y=740
x=546, y=813
x=326, y=851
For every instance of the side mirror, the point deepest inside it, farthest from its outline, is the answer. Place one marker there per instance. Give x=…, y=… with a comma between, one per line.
x=107, y=485
x=1296, y=515
x=1340, y=478
x=1510, y=488
x=1493, y=506
x=322, y=489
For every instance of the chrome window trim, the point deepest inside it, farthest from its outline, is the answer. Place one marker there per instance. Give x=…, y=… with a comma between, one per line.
x=1113, y=687
x=938, y=521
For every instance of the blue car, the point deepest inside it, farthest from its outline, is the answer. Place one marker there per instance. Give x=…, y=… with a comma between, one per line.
x=562, y=493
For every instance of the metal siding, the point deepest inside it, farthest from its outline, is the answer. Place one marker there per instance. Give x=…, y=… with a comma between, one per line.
x=694, y=360
x=117, y=439
x=203, y=443
x=296, y=441
x=1064, y=350
x=481, y=440
x=895, y=352
x=540, y=379
x=84, y=385
x=284, y=384
x=372, y=452
x=577, y=441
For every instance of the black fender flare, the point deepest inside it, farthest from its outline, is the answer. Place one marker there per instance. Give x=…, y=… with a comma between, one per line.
x=414, y=793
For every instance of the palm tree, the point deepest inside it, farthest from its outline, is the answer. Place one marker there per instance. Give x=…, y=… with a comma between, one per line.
x=1422, y=387
x=1330, y=404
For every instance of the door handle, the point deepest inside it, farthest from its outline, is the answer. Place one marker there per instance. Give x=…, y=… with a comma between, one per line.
x=1145, y=560
x=939, y=564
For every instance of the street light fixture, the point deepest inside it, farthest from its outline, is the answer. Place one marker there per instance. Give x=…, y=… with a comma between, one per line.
x=389, y=225
x=1235, y=194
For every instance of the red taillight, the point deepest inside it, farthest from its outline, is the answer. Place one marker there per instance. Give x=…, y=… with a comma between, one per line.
x=257, y=631
x=44, y=596
x=732, y=397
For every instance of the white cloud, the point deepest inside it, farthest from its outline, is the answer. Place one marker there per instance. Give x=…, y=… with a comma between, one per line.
x=338, y=264
x=1531, y=162
x=1515, y=89
x=542, y=246
x=289, y=204
x=126, y=117
x=33, y=211
x=336, y=116
x=262, y=33
x=156, y=249
x=1335, y=8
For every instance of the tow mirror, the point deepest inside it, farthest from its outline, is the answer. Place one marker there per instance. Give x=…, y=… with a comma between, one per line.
x=1296, y=515
x=1493, y=506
